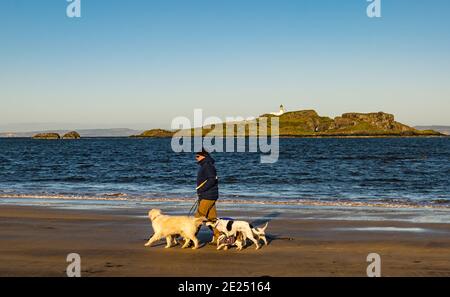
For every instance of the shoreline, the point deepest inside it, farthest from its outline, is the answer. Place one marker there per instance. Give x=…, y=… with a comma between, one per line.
x=36, y=240
x=294, y=210
x=437, y=203
x=437, y=210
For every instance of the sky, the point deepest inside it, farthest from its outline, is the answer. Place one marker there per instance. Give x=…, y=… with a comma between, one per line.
x=141, y=63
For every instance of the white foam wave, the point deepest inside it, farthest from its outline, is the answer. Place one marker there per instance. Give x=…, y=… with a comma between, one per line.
x=291, y=202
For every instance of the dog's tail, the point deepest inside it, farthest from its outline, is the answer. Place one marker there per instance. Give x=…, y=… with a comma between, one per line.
x=260, y=231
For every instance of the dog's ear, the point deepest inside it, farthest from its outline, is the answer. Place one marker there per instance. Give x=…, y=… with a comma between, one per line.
x=152, y=214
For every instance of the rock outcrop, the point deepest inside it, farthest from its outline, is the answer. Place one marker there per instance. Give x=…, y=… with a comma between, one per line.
x=155, y=133
x=72, y=135
x=47, y=136
x=309, y=123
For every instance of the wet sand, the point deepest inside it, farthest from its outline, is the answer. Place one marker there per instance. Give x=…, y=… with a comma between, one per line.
x=34, y=241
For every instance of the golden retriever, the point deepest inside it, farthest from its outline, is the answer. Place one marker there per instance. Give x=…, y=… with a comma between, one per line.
x=171, y=226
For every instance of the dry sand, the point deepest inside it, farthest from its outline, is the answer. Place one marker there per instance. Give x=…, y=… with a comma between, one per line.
x=34, y=241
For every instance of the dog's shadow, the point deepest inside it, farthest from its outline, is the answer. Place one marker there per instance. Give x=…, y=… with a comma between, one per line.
x=162, y=242
x=267, y=219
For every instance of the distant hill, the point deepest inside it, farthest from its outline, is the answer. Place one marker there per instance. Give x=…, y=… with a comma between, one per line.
x=155, y=133
x=47, y=136
x=443, y=129
x=117, y=132
x=307, y=123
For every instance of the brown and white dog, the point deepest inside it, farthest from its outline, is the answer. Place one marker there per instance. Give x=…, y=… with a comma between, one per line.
x=239, y=242
x=170, y=227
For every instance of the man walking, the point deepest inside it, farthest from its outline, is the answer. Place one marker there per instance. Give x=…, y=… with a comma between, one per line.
x=207, y=188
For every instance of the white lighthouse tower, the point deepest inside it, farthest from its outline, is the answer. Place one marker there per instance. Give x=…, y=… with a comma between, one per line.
x=280, y=112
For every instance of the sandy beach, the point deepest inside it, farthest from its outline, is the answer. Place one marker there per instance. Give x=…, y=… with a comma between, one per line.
x=34, y=241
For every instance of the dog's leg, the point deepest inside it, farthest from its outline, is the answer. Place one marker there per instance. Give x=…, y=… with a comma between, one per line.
x=219, y=245
x=175, y=241
x=260, y=234
x=195, y=240
x=186, y=243
x=238, y=242
x=152, y=239
x=250, y=236
x=264, y=239
x=238, y=245
x=244, y=240
x=168, y=241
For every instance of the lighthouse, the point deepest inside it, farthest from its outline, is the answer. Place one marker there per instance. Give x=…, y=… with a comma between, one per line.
x=280, y=112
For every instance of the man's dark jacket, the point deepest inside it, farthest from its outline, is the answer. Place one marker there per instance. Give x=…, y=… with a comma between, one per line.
x=207, y=180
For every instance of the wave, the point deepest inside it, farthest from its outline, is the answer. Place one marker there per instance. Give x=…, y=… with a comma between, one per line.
x=115, y=194
x=392, y=204
x=72, y=179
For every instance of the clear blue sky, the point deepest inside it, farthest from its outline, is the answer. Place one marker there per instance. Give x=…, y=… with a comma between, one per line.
x=139, y=63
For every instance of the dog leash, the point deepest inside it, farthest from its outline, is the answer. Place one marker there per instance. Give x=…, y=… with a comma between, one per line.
x=193, y=208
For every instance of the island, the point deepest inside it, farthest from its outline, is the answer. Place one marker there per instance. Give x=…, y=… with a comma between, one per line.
x=308, y=123
x=155, y=133
x=72, y=135
x=49, y=136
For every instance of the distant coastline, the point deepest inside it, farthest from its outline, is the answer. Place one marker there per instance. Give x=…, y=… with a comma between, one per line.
x=295, y=124
x=84, y=133
x=442, y=129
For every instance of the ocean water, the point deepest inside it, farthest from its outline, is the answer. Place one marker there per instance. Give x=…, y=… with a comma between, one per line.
x=380, y=172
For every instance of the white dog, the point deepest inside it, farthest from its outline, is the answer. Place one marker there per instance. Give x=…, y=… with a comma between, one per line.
x=172, y=226
x=231, y=228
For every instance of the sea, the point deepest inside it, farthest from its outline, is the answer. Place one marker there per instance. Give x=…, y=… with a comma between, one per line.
x=350, y=178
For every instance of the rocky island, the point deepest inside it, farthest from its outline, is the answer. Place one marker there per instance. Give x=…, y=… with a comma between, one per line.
x=47, y=136
x=308, y=123
x=154, y=133
x=72, y=135
x=53, y=135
